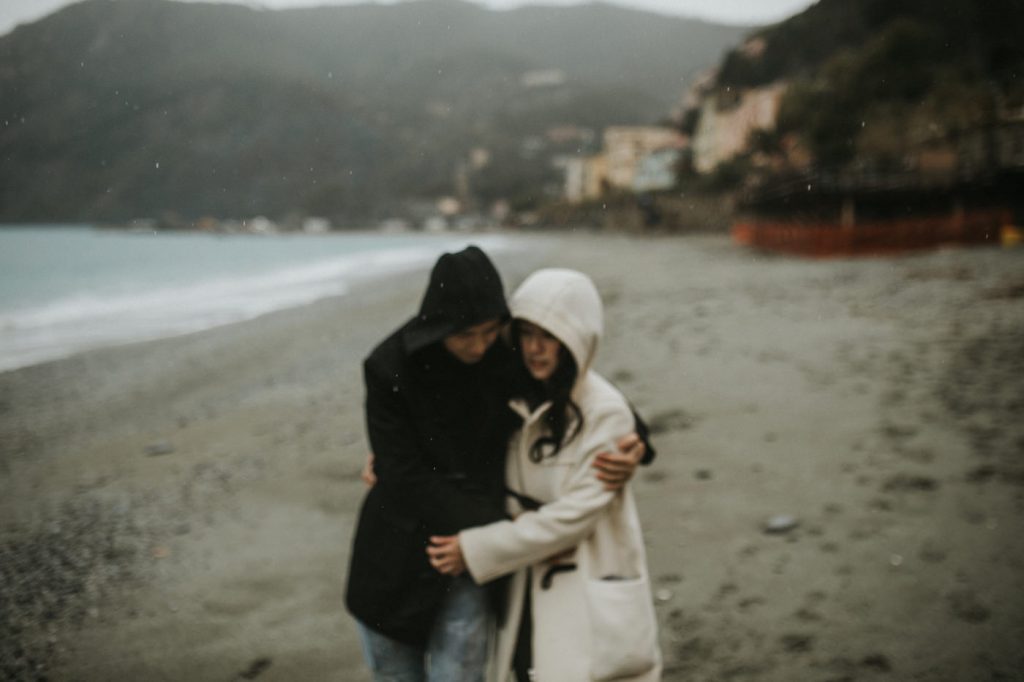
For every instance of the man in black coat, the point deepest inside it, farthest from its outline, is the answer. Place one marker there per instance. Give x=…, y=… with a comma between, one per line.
x=437, y=391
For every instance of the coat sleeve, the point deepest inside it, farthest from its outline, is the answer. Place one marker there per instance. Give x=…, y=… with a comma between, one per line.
x=505, y=546
x=644, y=432
x=404, y=472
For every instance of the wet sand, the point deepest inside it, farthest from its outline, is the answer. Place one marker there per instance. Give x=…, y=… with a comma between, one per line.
x=182, y=509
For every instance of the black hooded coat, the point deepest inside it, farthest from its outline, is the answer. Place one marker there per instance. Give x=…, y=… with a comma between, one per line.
x=438, y=429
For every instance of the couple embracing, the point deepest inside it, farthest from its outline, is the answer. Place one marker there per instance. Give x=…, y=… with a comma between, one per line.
x=500, y=540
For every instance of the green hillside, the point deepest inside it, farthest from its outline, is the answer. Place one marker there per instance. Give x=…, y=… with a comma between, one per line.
x=874, y=78
x=112, y=110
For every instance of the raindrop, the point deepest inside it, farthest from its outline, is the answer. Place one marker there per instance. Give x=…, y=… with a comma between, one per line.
x=157, y=164
x=895, y=559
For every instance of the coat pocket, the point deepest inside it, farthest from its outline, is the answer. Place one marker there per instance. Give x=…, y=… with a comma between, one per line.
x=623, y=628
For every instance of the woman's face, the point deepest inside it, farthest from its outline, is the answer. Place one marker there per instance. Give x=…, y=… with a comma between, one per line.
x=540, y=350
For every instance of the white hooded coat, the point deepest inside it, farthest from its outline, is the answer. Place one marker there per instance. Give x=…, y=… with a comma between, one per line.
x=595, y=622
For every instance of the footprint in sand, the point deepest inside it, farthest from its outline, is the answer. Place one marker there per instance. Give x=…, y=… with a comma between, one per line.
x=966, y=606
x=796, y=643
x=909, y=482
x=931, y=552
x=654, y=476
x=255, y=669
x=671, y=420
x=807, y=615
x=748, y=603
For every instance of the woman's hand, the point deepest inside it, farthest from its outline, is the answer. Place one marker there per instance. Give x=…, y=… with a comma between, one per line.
x=445, y=554
x=367, y=474
x=616, y=468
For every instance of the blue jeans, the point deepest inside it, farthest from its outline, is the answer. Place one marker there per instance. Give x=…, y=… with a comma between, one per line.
x=455, y=652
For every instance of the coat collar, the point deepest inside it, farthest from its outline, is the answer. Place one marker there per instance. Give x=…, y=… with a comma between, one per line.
x=522, y=408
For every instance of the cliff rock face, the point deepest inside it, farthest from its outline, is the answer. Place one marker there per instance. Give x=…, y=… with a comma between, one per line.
x=724, y=132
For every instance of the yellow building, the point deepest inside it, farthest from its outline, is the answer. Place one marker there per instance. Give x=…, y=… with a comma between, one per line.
x=585, y=177
x=625, y=146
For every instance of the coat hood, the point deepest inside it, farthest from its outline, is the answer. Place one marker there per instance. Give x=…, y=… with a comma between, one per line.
x=566, y=304
x=465, y=289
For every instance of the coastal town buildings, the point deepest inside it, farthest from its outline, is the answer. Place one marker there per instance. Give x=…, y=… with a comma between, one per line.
x=659, y=170
x=629, y=153
x=625, y=146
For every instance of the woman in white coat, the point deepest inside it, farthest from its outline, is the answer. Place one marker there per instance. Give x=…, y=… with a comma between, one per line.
x=588, y=613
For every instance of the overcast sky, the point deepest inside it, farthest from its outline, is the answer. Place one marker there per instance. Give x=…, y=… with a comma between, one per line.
x=13, y=12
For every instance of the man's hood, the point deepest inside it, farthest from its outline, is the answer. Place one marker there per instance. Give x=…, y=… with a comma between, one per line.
x=465, y=289
x=566, y=304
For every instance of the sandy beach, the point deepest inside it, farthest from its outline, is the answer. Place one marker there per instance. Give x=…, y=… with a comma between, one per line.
x=182, y=509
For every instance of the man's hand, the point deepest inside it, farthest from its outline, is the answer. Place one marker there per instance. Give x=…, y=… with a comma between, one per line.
x=616, y=468
x=369, y=478
x=445, y=554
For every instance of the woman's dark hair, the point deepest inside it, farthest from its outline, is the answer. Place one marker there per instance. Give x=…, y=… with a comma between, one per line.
x=557, y=389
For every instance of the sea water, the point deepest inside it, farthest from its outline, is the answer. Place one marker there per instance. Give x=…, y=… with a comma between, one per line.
x=69, y=289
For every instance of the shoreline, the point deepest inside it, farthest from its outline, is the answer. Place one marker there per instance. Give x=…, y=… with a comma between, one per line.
x=94, y=319
x=181, y=508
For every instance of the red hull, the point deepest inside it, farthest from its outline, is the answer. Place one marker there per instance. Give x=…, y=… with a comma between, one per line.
x=824, y=240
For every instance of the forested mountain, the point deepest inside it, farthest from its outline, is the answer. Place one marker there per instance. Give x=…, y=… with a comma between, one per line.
x=113, y=109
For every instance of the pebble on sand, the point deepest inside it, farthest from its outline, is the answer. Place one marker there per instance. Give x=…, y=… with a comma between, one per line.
x=781, y=523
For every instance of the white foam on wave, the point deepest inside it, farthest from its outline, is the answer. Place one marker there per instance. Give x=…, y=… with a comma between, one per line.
x=85, y=321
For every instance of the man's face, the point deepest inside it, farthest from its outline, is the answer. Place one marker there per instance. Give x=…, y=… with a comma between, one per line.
x=470, y=344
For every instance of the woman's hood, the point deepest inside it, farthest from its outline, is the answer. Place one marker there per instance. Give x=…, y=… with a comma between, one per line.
x=566, y=304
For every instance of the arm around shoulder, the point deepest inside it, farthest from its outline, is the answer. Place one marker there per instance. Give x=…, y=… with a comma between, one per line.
x=499, y=548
